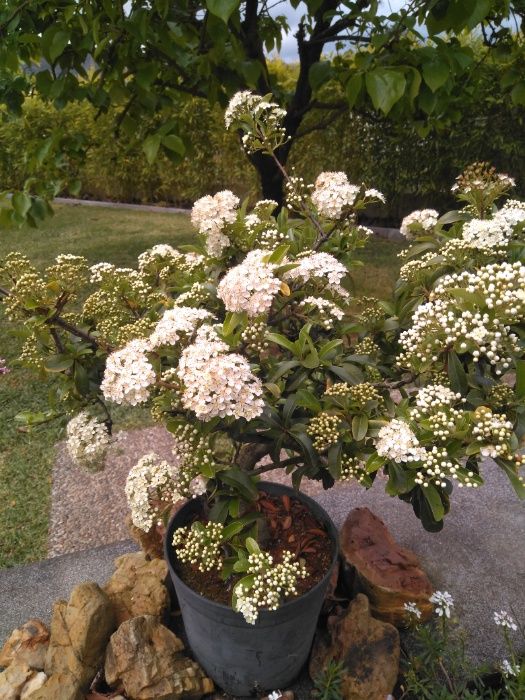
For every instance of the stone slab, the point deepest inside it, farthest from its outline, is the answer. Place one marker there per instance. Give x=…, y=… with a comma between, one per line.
x=30, y=591
x=478, y=557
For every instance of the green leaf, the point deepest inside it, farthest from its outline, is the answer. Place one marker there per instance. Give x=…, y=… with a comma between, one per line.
x=319, y=74
x=232, y=529
x=222, y=8
x=54, y=41
x=520, y=379
x=58, y=363
x=282, y=341
x=433, y=499
x=240, y=481
x=456, y=374
x=435, y=74
x=252, y=546
x=373, y=463
x=174, y=143
x=21, y=203
x=359, y=427
x=151, y=147
x=353, y=88
x=517, y=483
x=517, y=94
x=385, y=86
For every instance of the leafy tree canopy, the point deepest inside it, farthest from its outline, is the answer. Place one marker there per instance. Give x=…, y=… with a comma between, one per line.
x=143, y=56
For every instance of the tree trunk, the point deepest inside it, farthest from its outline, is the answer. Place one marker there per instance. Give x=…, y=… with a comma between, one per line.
x=270, y=176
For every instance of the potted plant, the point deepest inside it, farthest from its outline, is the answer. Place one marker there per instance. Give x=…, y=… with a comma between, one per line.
x=252, y=352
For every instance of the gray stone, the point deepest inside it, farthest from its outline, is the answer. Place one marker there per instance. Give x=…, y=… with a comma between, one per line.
x=30, y=591
x=478, y=557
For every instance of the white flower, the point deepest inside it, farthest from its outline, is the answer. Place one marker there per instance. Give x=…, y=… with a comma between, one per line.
x=218, y=383
x=320, y=267
x=443, y=603
x=503, y=619
x=333, y=195
x=412, y=610
x=246, y=102
x=487, y=234
x=510, y=669
x=418, y=222
x=160, y=253
x=177, y=321
x=87, y=441
x=375, y=194
x=151, y=484
x=397, y=442
x=128, y=374
x=250, y=286
x=210, y=215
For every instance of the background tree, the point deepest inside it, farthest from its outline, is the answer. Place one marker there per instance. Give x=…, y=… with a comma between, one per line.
x=146, y=57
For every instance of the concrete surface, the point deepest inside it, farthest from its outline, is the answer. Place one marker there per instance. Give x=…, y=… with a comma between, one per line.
x=478, y=557
x=30, y=591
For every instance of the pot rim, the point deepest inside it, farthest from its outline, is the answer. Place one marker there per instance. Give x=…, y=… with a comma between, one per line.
x=332, y=532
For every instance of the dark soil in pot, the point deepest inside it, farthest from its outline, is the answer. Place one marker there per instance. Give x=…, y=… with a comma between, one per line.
x=288, y=525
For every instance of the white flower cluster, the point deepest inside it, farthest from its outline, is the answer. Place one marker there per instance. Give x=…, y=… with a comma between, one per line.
x=210, y=215
x=443, y=603
x=218, y=383
x=250, y=286
x=319, y=267
x=433, y=397
x=503, y=619
x=397, y=442
x=510, y=668
x=271, y=584
x=487, y=234
x=200, y=545
x=151, y=487
x=440, y=323
x=159, y=254
x=247, y=102
x=374, y=194
x=419, y=222
x=129, y=374
x=326, y=310
x=177, y=321
x=333, y=195
x=412, y=610
x=87, y=441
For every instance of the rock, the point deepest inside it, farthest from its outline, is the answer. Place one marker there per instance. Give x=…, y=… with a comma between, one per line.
x=27, y=644
x=60, y=686
x=137, y=586
x=387, y=573
x=368, y=649
x=80, y=631
x=144, y=657
x=13, y=679
x=34, y=683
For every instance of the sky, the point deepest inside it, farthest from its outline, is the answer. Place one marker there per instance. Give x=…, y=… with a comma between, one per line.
x=289, y=46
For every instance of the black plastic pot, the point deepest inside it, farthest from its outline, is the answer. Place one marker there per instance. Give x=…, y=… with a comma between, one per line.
x=245, y=659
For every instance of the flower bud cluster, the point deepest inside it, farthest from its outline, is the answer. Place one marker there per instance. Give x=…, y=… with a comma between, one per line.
x=32, y=354
x=87, y=441
x=28, y=288
x=371, y=312
x=297, y=192
x=197, y=295
x=481, y=183
x=70, y=271
x=193, y=456
x=438, y=466
x=353, y=468
x=339, y=389
x=500, y=395
x=364, y=392
x=254, y=337
x=271, y=585
x=200, y=545
x=366, y=347
x=326, y=312
x=324, y=429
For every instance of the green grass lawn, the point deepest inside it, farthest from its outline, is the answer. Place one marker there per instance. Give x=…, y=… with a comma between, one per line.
x=117, y=236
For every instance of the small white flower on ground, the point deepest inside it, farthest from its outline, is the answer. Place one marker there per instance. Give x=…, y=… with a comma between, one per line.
x=443, y=603
x=412, y=610
x=503, y=619
x=510, y=669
